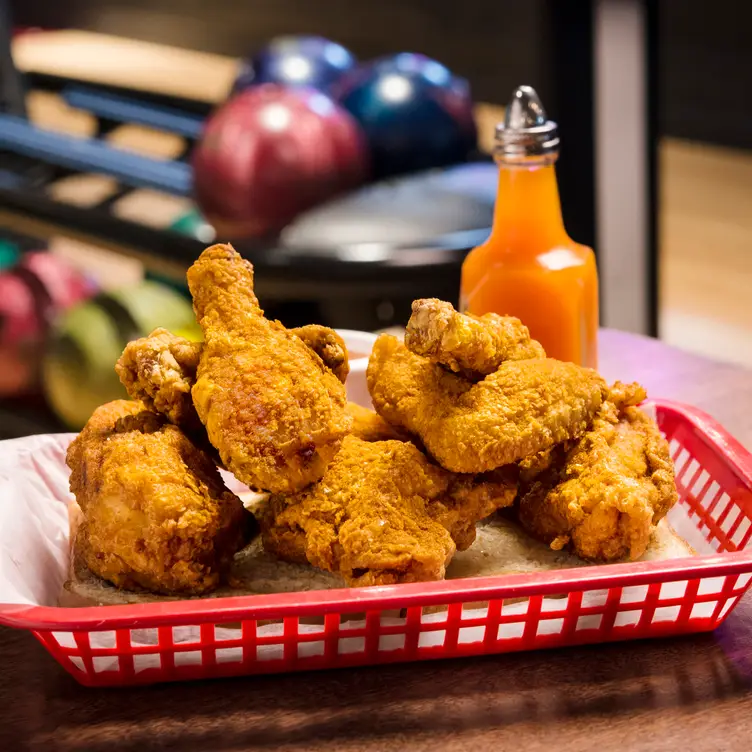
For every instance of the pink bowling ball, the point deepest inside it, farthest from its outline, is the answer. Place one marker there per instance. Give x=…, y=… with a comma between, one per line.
x=65, y=284
x=272, y=152
x=32, y=294
x=21, y=321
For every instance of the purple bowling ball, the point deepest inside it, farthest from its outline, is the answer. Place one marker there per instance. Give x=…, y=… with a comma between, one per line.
x=414, y=112
x=309, y=61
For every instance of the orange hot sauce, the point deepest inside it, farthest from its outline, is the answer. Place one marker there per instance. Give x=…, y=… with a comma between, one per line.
x=529, y=267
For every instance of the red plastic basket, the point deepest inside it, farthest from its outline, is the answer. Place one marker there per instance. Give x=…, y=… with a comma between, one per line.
x=145, y=643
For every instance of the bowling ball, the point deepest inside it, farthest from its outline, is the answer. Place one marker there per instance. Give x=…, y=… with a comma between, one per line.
x=194, y=225
x=20, y=335
x=36, y=290
x=296, y=61
x=9, y=254
x=19, y=318
x=32, y=295
x=271, y=152
x=174, y=284
x=414, y=112
x=64, y=284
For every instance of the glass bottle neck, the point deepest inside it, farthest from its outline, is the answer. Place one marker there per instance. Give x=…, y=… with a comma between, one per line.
x=527, y=214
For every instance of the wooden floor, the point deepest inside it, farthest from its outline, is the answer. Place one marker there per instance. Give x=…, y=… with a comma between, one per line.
x=705, y=211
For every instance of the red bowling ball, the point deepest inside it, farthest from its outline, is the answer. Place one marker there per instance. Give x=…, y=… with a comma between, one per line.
x=19, y=336
x=21, y=321
x=272, y=152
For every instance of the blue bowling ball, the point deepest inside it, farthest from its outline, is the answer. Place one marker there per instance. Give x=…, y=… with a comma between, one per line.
x=414, y=112
x=308, y=61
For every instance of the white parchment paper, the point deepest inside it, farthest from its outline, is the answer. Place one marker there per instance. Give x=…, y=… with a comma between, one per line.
x=34, y=526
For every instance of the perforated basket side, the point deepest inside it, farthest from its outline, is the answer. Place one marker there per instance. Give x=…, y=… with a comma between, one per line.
x=308, y=631
x=461, y=628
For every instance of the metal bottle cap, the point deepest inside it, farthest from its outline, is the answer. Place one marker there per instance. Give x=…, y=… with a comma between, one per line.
x=526, y=136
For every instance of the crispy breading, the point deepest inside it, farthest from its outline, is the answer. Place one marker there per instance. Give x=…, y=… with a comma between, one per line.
x=472, y=346
x=156, y=512
x=328, y=345
x=603, y=495
x=270, y=406
x=524, y=407
x=382, y=514
x=160, y=370
x=368, y=425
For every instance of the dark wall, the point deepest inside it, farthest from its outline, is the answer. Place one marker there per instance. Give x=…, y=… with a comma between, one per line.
x=706, y=69
x=490, y=43
x=706, y=48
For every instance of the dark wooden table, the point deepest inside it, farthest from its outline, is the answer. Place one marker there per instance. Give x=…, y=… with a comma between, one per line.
x=693, y=693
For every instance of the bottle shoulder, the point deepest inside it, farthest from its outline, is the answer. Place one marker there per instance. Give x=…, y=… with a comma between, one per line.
x=548, y=257
x=565, y=257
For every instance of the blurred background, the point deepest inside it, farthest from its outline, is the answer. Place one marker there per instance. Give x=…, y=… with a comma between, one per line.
x=124, y=150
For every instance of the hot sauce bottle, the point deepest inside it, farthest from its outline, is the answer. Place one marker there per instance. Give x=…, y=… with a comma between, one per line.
x=529, y=267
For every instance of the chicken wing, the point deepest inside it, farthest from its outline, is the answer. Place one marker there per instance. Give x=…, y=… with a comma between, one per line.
x=472, y=346
x=523, y=408
x=270, y=406
x=619, y=396
x=382, y=514
x=328, y=345
x=603, y=496
x=156, y=512
x=160, y=370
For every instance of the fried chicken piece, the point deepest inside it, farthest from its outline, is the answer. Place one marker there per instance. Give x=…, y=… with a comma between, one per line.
x=328, y=345
x=156, y=512
x=532, y=466
x=270, y=406
x=472, y=346
x=472, y=498
x=603, y=496
x=370, y=426
x=160, y=370
x=524, y=407
x=382, y=514
x=619, y=396
x=622, y=395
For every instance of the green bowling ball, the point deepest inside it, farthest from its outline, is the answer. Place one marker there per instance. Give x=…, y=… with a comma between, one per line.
x=195, y=226
x=10, y=253
x=173, y=284
x=78, y=369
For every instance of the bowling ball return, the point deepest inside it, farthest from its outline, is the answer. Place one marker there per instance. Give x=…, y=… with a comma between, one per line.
x=354, y=262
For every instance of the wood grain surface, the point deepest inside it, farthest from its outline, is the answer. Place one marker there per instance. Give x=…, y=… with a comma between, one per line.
x=693, y=693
